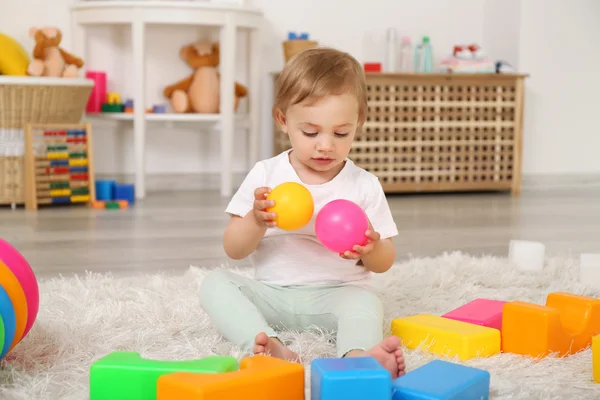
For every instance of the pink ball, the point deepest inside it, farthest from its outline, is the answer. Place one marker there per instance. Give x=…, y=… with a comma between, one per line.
x=340, y=225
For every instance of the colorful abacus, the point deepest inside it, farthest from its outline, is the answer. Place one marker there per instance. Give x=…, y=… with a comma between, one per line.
x=19, y=297
x=58, y=165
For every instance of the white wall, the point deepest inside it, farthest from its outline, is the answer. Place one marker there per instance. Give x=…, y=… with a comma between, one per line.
x=178, y=148
x=560, y=47
x=555, y=41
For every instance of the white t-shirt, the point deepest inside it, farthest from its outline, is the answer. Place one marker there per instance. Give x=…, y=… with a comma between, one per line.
x=290, y=258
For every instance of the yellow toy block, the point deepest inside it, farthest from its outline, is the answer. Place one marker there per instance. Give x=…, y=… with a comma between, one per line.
x=113, y=98
x=596, y=357
x=446, y=336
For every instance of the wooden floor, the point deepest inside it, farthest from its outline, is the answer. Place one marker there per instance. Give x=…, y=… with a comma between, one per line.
x=170, y=231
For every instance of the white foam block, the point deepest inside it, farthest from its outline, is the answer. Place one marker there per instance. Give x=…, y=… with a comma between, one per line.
x=589, y=269
x=526, y=255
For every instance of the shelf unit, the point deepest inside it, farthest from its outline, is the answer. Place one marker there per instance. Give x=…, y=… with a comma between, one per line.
x=228, y=19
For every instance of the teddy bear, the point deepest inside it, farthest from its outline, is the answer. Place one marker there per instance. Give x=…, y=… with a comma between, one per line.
x=49, y=59
x=200, y=92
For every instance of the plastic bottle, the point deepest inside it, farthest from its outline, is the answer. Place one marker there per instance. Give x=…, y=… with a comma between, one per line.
x=391, y=50
x=405, y=54
x=427, y=54
x=417, y=58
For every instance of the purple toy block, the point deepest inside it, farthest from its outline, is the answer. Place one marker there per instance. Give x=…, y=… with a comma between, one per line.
x=482, y=312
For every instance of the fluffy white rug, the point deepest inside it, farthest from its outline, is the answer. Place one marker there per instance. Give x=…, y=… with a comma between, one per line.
x=83, y=319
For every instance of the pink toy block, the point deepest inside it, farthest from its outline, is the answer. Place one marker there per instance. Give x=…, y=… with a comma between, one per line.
x=98, y=94
x=479, y=312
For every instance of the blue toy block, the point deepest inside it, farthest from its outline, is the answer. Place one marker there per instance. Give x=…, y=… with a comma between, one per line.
x=442, y=380
x=159, y=109
x=105, y=190
x=292, y=36
x=125, y=192
x=129, y=103
x=303, y=36
x=352, y=378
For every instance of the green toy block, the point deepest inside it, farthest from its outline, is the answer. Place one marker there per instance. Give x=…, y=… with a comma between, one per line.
x=125, y=375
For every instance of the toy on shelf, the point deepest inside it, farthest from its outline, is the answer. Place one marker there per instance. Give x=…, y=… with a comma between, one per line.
x=113, y=195
x=59, y=166
x=447, y=337
x=372, y=67
x=200, y=92
x=468, y=59
x=259, y=378
x=98, y=95
x=126, y=375
x=49, y=59
x=296, y=43
x=565, y=325
x=14, y=59
x=442, y=380
x=423, y=58
x=352, y=378
x=19, y=297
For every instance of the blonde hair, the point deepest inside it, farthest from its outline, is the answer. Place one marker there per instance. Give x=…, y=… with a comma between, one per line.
x=318, y=72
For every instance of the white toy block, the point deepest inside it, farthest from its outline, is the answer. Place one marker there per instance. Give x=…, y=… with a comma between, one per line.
x=589, y=269
x=526, y=255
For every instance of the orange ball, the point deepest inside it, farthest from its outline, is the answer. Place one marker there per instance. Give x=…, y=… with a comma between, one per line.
x=294, y=205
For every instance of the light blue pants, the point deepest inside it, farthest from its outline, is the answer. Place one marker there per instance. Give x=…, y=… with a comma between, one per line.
x=241, y=308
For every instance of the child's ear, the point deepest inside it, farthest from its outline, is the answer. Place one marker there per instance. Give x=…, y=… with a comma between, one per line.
x=279, y=117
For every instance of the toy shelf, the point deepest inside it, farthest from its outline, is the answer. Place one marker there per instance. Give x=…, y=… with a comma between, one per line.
x=240, y=119
x=228, y=19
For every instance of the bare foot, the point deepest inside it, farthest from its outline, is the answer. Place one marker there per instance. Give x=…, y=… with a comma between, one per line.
x=388, y=353
x=273, y=347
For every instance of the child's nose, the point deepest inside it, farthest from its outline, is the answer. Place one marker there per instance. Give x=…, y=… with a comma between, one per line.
x=325, y=144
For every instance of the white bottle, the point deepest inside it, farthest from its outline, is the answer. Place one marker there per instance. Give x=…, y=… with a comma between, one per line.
x=406, y=55
x=391, y=50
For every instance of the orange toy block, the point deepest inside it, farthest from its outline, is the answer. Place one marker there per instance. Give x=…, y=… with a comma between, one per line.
x=259, y=378
x=565, y=325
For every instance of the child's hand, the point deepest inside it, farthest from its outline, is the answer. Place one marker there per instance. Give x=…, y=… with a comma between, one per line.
x=361, y=251
x=262, y=217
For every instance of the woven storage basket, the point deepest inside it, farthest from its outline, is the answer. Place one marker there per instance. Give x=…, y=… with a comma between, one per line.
x=293, y=47
x=439, y=132
x=33, y=100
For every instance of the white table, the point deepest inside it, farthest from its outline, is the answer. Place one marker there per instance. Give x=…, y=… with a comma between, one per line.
x=228, y=18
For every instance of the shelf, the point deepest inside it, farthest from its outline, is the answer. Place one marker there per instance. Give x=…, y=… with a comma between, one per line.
x=166, y=117
x=165, y=12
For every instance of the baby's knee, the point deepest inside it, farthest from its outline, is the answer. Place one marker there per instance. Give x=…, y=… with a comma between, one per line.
x=361, y=301
x=213, y=284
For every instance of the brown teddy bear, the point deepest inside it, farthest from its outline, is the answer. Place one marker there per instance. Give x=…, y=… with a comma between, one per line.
x=49, y=58
x=200, y=92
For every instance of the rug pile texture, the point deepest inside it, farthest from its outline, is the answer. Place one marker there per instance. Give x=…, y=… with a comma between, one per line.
x=82, y=319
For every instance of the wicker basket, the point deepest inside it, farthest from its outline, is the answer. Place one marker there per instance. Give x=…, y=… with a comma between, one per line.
x=439, y=132
x=33, y=100
x=293, y=47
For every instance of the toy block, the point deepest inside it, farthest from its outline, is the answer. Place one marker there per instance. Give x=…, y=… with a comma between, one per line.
x=124, y=375
x=259, y=378
x=442, y=380
x=108, y=107
x=446, y=336
x=596, y=358
x=589, y=270
x=159, y=109
x=350, y=379
x=113, y=98
x=124, y=192
x=565, y=325
x=482, y=312
x=372, y=67
x=105, y=189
